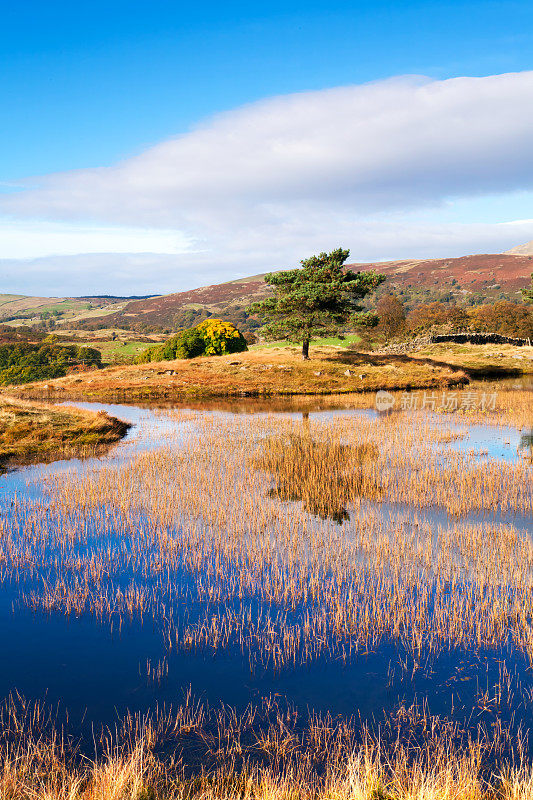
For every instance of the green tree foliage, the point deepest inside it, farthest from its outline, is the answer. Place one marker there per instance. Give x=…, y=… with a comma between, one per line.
x=210, y=337
x=528, y=293
x=318, y=299
x=24, y=362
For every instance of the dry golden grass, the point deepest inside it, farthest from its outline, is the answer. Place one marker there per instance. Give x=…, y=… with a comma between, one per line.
x=271, y=371
x=29, y=431
x=481, y=359
x=261, y=754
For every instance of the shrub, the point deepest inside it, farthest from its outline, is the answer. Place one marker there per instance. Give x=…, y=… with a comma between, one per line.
x=221, y=337
x=210, y=337
x=189, y=344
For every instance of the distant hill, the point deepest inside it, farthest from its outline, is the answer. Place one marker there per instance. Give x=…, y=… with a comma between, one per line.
x=469, y=279
x=184, y=309
x=466, y=280
x=522, y=249
x=23, y=309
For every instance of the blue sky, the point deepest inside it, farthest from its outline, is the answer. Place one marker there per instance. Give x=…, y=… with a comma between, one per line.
x=86, y=86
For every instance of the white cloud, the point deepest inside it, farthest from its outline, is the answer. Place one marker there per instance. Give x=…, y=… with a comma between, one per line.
x=34, y=238
x=388, y=144
x=269, y=183
x=148, y=273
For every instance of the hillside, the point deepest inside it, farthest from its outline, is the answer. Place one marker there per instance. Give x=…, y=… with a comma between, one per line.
x=522, y=249
x=183, y=309
x=22, y=309
x=469, y=279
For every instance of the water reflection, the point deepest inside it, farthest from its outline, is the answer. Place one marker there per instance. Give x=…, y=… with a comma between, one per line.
x=525, y=446
x=322, y=474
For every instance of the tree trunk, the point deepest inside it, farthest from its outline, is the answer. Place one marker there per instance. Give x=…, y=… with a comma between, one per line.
x=305, y=349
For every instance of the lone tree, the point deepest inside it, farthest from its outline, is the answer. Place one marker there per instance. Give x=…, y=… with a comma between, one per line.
x=317, y=300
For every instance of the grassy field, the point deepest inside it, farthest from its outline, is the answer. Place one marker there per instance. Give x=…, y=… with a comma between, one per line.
x=23, y=310
x=119, y=350
x=45, y=432
x=332, y=341
x=481, y=359
x=268, y=371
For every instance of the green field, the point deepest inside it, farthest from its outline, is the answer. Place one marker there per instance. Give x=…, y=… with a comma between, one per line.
x=332, y=341
x=26, y=310
x=117, y=351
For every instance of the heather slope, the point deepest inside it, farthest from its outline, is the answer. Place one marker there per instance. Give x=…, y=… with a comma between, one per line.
x=480, y=277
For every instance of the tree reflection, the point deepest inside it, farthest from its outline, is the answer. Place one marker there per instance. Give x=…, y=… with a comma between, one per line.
x=323, y=474
x=526, y=444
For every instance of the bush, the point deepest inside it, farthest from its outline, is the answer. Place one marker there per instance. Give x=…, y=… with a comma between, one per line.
x=210, y=337
x=221, y=337
x=189, y=344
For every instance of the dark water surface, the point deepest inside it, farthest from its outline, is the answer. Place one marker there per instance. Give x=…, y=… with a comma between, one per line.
x=97, y=669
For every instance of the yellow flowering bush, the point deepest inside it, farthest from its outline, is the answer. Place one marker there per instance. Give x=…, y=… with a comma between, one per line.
x=221, y=337
x=213, y=337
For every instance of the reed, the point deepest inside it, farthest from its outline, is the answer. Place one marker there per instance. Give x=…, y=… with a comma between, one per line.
x=288, y=540
x=262, y=753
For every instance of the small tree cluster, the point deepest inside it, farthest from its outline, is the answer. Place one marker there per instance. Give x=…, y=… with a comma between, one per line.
x=442, y=315
x=504, y=317
x=212, y=337
x=24, y=362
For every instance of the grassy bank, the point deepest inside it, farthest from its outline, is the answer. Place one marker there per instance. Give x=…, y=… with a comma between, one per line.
x=482, y=360
x=272, y=371
x=43, y=432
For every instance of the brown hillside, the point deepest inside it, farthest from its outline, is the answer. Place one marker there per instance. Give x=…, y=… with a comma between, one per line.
x=487, y=277
x=510, y=272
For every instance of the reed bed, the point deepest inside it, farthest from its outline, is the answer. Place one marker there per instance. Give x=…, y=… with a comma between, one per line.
x=290, y=541
x=264, y=753
x=286, y=540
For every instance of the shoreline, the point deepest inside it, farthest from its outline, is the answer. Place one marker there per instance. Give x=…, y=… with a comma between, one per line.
x=273, y=372
x=33, y=432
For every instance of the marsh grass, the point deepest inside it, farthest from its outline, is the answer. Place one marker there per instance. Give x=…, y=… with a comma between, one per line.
x=288, y=541
x=265, y=753
x=38, y=430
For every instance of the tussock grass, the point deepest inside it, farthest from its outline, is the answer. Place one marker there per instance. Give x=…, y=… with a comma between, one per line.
x=29, y=431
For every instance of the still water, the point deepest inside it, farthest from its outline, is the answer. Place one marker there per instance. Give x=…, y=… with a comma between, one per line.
x=98, y=670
